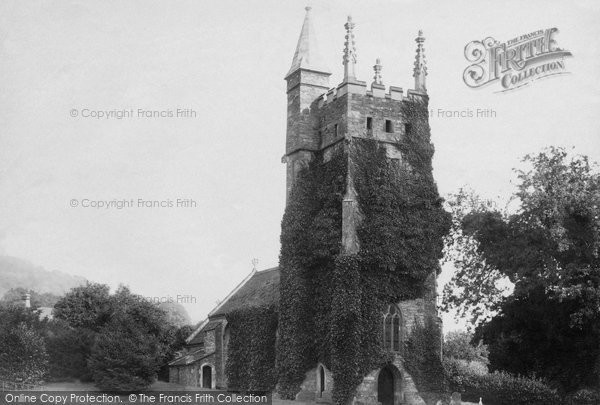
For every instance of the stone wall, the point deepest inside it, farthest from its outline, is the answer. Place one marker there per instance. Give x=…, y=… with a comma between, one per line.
x=405, y=390
x=304, y=88
x=191, y=374
x=219, y=358
x=185, y=375
x=309, y=390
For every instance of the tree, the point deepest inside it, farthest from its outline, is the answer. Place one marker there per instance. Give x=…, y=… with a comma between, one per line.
x=177, y=338
x=549, y=251
x=457, y=345
x=130, y=335
x=123, y=357
x=176, y=313
x=87, y=306
x=68, y=349
x=15, y=296
x=23, y=356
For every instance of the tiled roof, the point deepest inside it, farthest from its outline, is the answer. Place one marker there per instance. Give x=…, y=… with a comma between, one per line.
x=190, y=358
x=261, y=289
x=198, y=339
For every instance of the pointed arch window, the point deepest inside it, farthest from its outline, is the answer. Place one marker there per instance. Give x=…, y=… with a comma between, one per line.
x=391, y=328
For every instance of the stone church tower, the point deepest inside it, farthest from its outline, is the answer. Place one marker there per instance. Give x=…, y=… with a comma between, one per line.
x=332, y=324
x=323, y=120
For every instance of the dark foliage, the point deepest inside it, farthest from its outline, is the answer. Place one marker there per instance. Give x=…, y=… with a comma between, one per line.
x=23, y=356
x=251, y=353
x=421, y=361
x=310, y=240
x=124, y=358
x=499, y=388
x=125, y=338
x=176, y=338
x=550, y=251
x=331, y=301
x=68, y=351
x=532, y=335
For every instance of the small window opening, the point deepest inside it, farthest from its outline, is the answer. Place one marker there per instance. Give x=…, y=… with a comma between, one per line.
x=389, y=127
x=321, y=381
x=408, y=128
x=369, y=123
x=335, y=130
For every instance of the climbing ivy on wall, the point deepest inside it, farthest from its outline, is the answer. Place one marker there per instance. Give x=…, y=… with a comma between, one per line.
x=310, y=241
x=421, y=361
x=331, y=301
x=250, y=362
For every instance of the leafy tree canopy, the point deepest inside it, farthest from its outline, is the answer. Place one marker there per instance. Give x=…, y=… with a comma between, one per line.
x=548, y=251
x=23, y=356
x=15, y=296
x=457, y=345
x=132, y=337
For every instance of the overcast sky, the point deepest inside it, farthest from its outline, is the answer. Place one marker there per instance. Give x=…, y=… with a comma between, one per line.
x=226, y=61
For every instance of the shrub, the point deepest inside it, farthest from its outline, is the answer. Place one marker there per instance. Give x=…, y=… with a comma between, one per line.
x=498, y=388
x=122, y=337
x=457, y=344
x=68, y=350
x=586, y=397
x=123, y=360
x=23, y=356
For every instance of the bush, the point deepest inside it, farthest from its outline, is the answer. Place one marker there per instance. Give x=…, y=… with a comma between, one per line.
x=586, y=397
x=122, y=337
x=23, y=356
x=68, y=351
x=498, y=388
x=123, y=360
x=457, y=344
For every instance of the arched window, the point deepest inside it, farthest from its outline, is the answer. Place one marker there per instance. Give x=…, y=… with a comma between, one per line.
x=207, y=376
x=391, y=329
x=321, y=382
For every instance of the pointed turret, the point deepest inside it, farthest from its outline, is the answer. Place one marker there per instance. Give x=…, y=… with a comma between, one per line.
x=307, y=51
x=420, y=70
x=349, y=59
x=307, y=81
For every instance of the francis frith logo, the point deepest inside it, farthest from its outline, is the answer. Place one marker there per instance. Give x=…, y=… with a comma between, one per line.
x=514, y=63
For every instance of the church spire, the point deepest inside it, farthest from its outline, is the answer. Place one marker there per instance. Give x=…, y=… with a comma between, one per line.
x=307, y=54
x=420, y=70
x=349, y=52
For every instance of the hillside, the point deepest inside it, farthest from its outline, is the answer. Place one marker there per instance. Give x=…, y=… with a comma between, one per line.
x=16, y=273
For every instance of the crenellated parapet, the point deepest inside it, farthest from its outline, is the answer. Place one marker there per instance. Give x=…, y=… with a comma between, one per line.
x=376, y=91
x=319, y=117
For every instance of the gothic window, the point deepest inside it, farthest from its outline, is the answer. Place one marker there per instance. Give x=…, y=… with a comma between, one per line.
x=391, y=329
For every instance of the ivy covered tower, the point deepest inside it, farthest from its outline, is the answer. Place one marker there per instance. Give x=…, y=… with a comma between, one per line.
x=362, y=235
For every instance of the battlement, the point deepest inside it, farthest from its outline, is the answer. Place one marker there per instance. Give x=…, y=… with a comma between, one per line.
x=320, y=117
x=376, y=91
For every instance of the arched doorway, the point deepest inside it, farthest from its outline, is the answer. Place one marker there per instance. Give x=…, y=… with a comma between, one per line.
x=385, y=386
x=207, y=376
